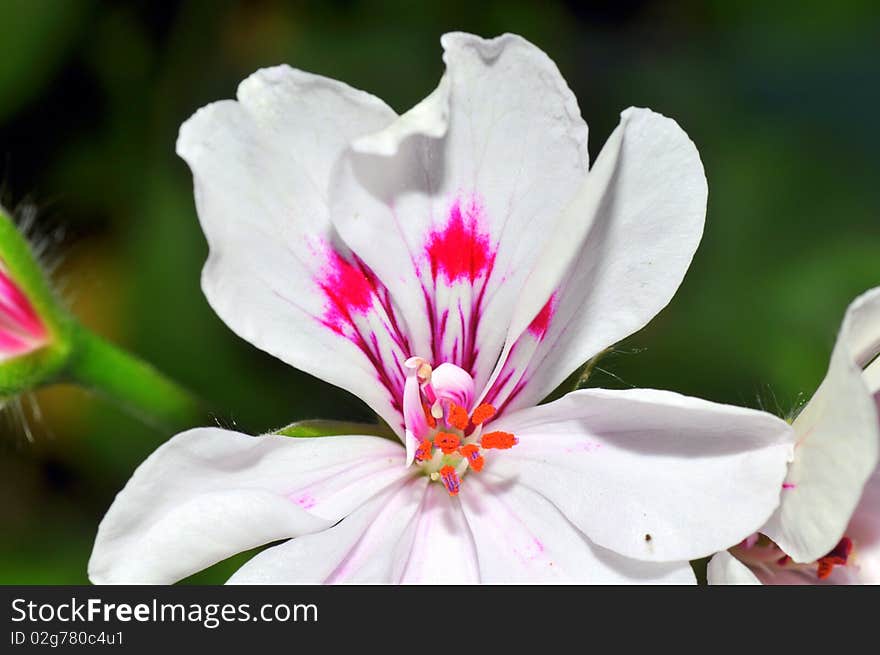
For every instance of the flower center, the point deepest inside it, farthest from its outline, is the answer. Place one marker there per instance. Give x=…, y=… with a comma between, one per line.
x=443, y=438
x=759, y=550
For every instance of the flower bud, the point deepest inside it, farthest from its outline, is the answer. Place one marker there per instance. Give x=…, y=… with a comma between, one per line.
x=34, y=330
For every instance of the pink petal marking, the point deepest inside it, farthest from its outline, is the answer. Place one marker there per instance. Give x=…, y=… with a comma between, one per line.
x=359, y=308
x=541, y=323
x=513, y=377
x=350, y=289
x=305, y=500
x=460, y=256
x=461, y=250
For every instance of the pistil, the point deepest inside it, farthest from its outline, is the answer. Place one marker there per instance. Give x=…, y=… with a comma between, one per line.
x=446, y=440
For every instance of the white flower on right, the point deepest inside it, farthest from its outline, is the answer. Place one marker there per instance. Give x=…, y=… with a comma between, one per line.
x=827, y=527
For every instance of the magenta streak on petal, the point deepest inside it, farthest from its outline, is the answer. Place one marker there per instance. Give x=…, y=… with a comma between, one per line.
x=349, y=290
x=500, y=383
x=541, y=323
x=520, y=356
x=461, y=258
x=788, y=485
x=354, y=293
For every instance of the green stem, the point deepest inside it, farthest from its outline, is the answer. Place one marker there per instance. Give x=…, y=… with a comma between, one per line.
x=134, y=385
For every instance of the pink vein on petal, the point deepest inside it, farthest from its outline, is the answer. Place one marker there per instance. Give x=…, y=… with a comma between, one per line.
x=460, y=258
x=359, y=308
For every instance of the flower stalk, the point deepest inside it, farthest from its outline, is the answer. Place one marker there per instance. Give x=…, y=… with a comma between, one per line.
x=134, y=385
x=41, y=343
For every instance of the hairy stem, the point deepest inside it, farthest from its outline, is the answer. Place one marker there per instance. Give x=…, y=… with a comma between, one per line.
x=137, y=387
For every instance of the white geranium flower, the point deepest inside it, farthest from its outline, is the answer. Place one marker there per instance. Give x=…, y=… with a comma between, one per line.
x=451, y=267
x=827, y=527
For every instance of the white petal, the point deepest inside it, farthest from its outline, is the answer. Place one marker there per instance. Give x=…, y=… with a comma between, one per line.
x=453, y=384
x=411, y=444
x=864, y=530
x=725, y=569
x=872, y=379
x=652, y=475
x=615, y=260
x=441, y=549
x=837, y=443
x=450, y=204
x=370, y=546
x=429, y=118
x=208, y=494
x=277, y=274
x=522, y=538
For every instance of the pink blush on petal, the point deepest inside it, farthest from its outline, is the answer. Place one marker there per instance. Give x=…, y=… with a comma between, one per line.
x=358, y=307
x=349, y=290
x=541, y=323
x=461, y=250
x=304, y=500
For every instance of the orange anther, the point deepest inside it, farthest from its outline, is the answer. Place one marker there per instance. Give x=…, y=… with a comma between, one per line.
x=423, y=452
x=825, y=569
x=450, y=480
x=838, y=556
x=458, y=417
x=447, y=442
x=472, y=454
x=482, y=413
x=500, y=440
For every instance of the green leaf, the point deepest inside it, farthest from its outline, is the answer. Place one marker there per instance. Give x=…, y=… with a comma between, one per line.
x=322, y=428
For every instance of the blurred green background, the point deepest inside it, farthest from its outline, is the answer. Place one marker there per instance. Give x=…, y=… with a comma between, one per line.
x=781, y=99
